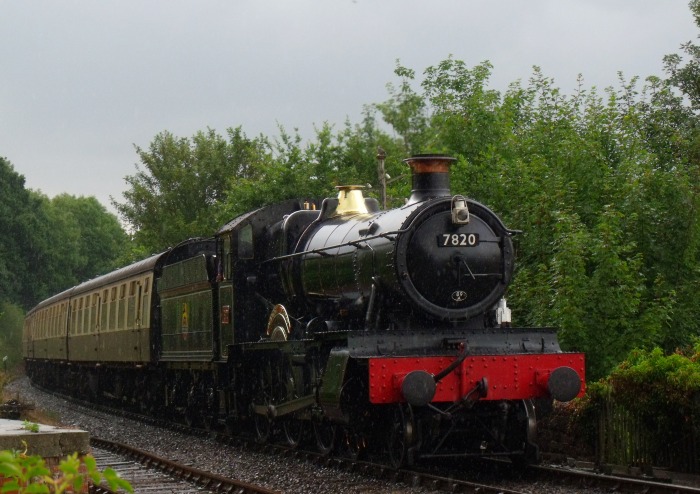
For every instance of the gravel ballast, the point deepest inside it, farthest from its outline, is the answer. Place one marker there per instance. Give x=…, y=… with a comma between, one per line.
x=284, y=474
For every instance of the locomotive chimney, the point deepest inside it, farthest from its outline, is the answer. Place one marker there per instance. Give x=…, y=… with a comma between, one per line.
x=431, y=176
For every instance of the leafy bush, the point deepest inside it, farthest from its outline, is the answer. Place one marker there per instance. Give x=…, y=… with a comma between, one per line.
x=659, y=391
x=29, y=474
x=652, y=382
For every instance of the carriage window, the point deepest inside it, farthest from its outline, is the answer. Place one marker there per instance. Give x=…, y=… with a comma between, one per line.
x=74, y=316
x=245, y=242
x=122, y=291
x=146, y=285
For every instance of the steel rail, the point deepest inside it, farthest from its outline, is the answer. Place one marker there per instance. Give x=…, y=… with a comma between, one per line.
x=206, y=480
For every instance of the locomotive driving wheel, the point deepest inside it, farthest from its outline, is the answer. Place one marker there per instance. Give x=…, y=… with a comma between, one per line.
x=271, y=391
x=401, y=435
x=325, y=434
x=293, y=430
x=263, y=428
x=264, y=396
x=353, y=443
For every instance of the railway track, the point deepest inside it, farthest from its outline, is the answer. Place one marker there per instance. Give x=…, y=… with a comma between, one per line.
x=610, y=483
x=149, y=473
x=548, y=479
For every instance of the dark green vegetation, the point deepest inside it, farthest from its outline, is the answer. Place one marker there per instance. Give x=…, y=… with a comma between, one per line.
x=24, y=474
x=46, y=246
x=603, y=183
x=646, y=412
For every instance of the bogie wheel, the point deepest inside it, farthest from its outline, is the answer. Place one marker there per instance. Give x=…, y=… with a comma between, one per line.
x=325, y=433
x=210, y=415
x=144, y=404
x=263, y=428
x=401, y=435
x=151, y=394
x=523, y=434
x=293, y=431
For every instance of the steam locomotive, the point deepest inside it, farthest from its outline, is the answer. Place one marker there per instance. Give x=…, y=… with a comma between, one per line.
x=355, y=328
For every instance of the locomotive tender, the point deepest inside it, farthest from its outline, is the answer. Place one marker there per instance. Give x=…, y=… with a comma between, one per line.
x=373, y=329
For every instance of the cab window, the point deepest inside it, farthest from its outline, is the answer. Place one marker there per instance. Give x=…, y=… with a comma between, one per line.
x=245, y=242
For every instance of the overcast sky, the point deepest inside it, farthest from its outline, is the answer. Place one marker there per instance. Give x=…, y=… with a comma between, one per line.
x=82, y=82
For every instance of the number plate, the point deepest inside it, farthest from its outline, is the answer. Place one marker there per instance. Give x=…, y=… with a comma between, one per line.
x=458, y=240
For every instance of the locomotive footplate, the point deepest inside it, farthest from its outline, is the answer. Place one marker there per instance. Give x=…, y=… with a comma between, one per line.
x=496, y=341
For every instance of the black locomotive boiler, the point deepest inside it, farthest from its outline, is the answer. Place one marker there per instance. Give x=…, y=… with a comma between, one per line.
x=383, y=330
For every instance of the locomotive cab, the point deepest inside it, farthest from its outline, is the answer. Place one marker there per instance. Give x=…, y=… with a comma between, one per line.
x=249, y=286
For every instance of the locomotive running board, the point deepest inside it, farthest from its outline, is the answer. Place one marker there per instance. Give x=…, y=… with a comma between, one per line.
x=435, y=341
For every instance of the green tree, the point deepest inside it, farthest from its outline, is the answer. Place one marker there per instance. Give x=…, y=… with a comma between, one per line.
x=72, y=240
x=55, y=256
x=51, y=244
x=406, y=113
x=311, y=170
x=685, y=76
x=101, y=242
x=11, y=323
x=176, y=190
x=15, y=209
x=464, y=120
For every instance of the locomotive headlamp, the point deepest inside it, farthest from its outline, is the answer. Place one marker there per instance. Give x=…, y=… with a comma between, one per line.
x=502, y=313
x=460, y=211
